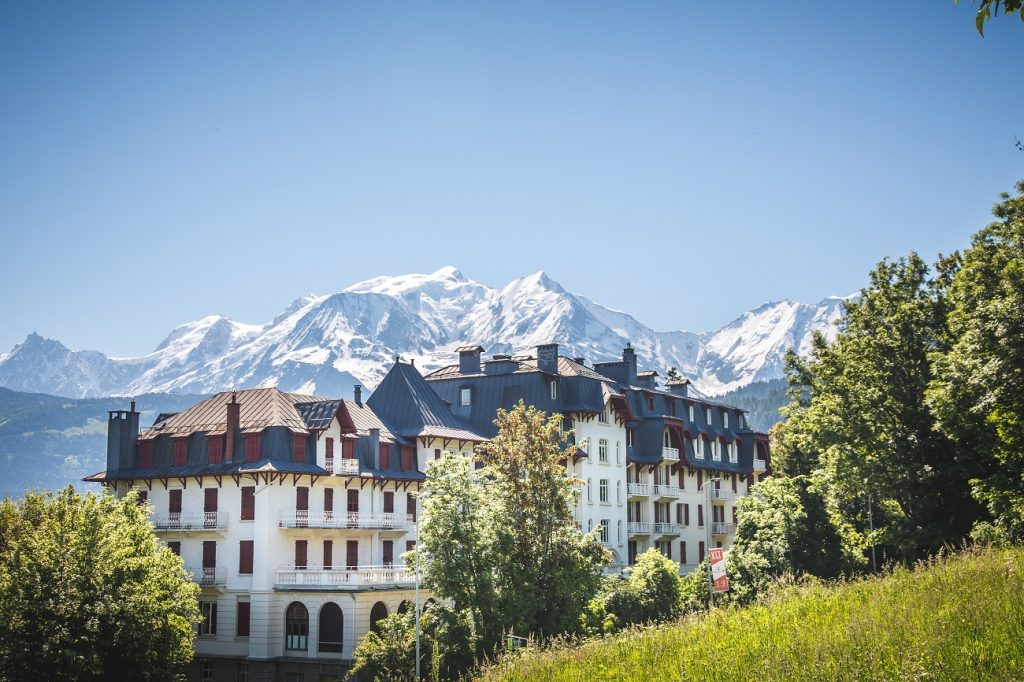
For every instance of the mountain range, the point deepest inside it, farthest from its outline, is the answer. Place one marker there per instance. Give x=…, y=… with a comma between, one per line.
x=325, y=344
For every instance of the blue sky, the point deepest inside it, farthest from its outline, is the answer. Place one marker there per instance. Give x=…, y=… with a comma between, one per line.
x=683, y=161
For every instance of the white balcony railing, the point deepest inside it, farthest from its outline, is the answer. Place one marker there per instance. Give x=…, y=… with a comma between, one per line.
x=638, y=489
x=343, y=576
x=670, y=454
x=722, y=494
x=666, y=491
x=341, y=467
x=321, y=519
x=209, y=576
x=639, y=528
x=760, y=464
x=191, y=522
x=720, y=528
x=666, y=529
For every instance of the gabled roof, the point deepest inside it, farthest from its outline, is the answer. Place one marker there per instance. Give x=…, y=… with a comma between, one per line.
x=318, y=415
x=364, y=419
x=260, y=408
x=404, y=397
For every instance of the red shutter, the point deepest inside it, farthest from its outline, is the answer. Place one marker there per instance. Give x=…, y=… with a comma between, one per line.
x=328, y=499
x=437, y=453
x=209, y=553
x=389, y=552
x=298, y=447
x=385, y=456
x=328, y=554
x=210, y=500
x=145, y=453
x=302, y=498
x=175, y=546
x=682, y=479
x=407, y=453
x=245, y=557
x=410, y=506
x=686, y=514
x=248, y=503
x=180, y=447
x=389, y=502
x=682, y=552
x=353, y=500
x=214, y=449
x=329, y=448
x=679, y=513
x=733, y=477
x=143, y=496
x=352, y=554
x=300, y=554
x=174, y=502
x=700, y=514
x=348, y=449
x=700, y=551
x=242, y=619
x=252, y=447
x=410, y=545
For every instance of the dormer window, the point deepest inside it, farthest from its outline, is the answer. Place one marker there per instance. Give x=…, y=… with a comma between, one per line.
x=707, y=413
x=602, y=416
x=725, y=418
x=465, y=397
x=691, y=412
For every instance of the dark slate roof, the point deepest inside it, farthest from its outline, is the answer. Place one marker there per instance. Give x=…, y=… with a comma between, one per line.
x=224, y=469
x=318, y=414
x=406, y=399
x=364, y=419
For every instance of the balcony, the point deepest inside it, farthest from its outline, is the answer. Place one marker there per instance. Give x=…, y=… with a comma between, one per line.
x=666, y=529
x=338, y=520
x=720, y=528
x=209, y=576
x=722, y=494
x=671, y=454
x=760, y=464
x=639, y=528
x=342, y=467
x=666, y=491
x=200, y=521
x=638, y=490
x=342, y=577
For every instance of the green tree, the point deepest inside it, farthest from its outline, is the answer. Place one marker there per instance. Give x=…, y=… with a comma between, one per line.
x=545, y=570
x=978, y=390
x=88, y=593
x=649, y=592
x=859, y=407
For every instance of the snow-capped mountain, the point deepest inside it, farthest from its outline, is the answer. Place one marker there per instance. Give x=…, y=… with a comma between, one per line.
x=325, y=344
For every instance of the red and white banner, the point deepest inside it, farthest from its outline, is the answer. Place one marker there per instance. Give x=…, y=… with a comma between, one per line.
x=719, y=578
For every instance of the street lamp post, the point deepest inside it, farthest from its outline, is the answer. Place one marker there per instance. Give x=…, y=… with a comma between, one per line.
x=417, y=612
x=707, y=534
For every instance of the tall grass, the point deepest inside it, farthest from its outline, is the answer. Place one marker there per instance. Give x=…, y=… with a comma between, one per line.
x=958, y=617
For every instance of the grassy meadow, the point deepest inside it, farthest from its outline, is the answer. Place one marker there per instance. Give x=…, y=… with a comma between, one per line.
x=958, y=617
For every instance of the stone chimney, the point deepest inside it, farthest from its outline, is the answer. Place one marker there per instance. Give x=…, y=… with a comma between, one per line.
x=122, y=438
x=469, y=359
x=629, y=358
x=547, y=358
x=357, y=394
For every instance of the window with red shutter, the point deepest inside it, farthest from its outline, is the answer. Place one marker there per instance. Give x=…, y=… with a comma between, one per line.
x=245, y=549
x=142, y=496
x=407, y=459
x=300, y=554
x=214, y=449
x=329, y=448
x=248, y=512
x=210, y=500
x=145, y=453
x=733, y=477
x=679, y=513
x=242, y=619
x=385, y=456
x=298, y=447
x=352, y=554
x=302, y=498
x=252, y=447
x=700, y=551
x=209, y=554
x=700, y=515
x=410, y=545
x=174, y=502
x=682, y=552
x=328, y=500
x=353, y=501
x=410, y=506
x=389, y=550
x=328, y=554
x=700, y=479
x=437, y=453
x=175, y=546
x=389, y=502
x=348, y=449
x=180, y=448
x=682, y=479
x=686, y=514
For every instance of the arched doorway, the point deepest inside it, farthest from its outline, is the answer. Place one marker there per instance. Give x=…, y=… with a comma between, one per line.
x=296, y=627
x=378, y=613
x=331, y=628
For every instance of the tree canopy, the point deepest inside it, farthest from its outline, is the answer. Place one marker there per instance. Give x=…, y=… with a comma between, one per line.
x=88, y=593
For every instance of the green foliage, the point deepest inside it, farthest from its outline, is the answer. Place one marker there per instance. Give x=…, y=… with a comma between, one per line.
x=955, y=618
x=88, y=593
x=978, y=390
x=988, y=8
x=387, y=653
x=762, y=400
x=650, y=592
x=501, y=543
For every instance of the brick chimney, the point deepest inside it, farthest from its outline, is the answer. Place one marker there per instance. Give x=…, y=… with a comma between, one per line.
x=234, y=418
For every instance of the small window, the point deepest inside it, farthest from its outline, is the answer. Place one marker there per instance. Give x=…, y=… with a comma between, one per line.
x=175, y=546
x=208, y=609
x=465, y=396
x=242, y=622
x=243, y=672
x=206, y=671
x=605, y=530
x=691, y=414
x=603, y=489
x=602, y=416
x=248, y=511
x=697, y=451
x=707, y=413
x=602, y=450
x=618, y=452
x=618, y=492
x=590, y=497
x=554, y=390
x=725, y=419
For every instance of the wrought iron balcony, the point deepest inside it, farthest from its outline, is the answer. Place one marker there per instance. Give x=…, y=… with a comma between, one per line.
x=324, y=519
x=209, y=576
x=341, y=577
x=199, y=521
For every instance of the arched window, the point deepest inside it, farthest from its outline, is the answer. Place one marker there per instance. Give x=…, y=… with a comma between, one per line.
x=405, y=606
x=296, y=627
x=378, y=613
x=331, y=628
